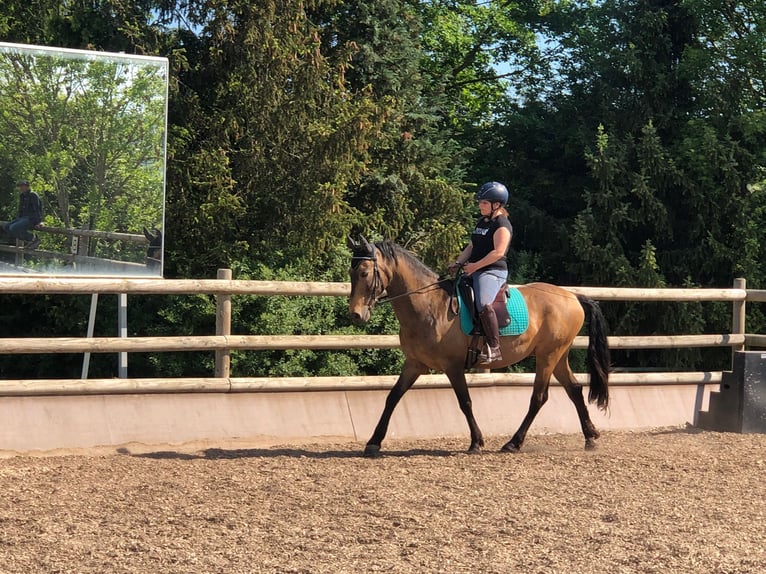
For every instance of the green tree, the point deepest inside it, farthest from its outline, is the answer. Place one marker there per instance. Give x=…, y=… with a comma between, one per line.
x=276, y=137
x=411, y=189
x=673, y=166
x=484, y=63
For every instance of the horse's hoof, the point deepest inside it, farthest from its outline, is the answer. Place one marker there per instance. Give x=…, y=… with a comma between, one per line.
x=511, y=447
x=474, y=449
x=590, y=444
x=372, y=450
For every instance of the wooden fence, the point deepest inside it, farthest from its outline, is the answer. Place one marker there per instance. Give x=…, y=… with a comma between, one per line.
x=223, y=341
x=80, y=243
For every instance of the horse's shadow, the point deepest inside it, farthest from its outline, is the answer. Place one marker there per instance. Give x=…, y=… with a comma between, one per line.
x=687, y=428
x=244, y=453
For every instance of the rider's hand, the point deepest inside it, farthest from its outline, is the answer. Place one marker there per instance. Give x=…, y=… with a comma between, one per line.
x=453, y=267
x=469, y=268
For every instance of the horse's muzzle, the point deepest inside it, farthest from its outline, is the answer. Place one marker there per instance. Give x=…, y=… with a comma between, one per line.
x=359, y=317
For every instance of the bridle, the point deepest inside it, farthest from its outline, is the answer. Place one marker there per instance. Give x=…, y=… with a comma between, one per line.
x=375, y=295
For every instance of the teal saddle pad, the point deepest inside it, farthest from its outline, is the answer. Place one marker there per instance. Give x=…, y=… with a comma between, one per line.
x=517, y=309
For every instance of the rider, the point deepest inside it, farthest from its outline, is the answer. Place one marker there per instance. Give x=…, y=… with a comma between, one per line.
x=484, y=259
x=30, y=216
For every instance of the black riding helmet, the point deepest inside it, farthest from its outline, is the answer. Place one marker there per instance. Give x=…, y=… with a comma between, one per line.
x=493, y=192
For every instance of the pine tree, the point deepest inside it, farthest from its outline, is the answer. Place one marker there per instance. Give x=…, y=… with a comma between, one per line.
x=411, y=188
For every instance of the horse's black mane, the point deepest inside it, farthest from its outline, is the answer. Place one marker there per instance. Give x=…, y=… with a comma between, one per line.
x=393, y=251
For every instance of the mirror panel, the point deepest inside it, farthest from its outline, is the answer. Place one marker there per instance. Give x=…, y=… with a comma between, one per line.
x=87, y=131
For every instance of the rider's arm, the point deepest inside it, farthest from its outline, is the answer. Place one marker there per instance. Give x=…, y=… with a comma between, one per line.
x=461, y=259
x=465, y=254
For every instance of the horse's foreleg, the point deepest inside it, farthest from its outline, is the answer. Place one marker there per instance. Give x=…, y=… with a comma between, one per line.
x=410, y=373
x=566, y=377
x=459, y=385
x=543, y=373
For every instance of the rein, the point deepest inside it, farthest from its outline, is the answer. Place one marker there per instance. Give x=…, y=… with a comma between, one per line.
x=408, y=293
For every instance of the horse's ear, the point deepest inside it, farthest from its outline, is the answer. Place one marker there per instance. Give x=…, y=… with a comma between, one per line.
x=157, y=232
x=148, y=235
x=366, y=244
x=350, y=243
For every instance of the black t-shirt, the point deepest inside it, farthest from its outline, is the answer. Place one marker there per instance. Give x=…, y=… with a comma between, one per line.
x=482, y=240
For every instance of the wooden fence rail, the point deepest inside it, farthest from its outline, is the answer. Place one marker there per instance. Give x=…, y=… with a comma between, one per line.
x=224, y=288
x=42, y=387
x=136, y=286
x=317, y=342
x=131, y=286
x=79, y=249
x=109, y=235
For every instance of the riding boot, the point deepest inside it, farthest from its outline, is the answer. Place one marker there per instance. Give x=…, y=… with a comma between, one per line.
x=491, y=352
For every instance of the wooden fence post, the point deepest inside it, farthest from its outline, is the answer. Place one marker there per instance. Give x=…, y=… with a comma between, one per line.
x=223, y=327
x=738, y=317
x=19, y=253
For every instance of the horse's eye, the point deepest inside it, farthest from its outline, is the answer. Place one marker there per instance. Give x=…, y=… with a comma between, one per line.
x=364, y=274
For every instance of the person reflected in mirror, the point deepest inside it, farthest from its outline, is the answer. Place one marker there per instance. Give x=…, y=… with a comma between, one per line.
x=30, y=216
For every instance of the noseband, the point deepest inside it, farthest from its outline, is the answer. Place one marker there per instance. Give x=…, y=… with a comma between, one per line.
x=377, y=283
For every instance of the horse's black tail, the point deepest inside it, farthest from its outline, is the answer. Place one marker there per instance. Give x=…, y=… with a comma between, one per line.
x=597, y=358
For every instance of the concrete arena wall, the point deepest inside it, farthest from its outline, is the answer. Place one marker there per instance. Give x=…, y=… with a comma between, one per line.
x=45, y=423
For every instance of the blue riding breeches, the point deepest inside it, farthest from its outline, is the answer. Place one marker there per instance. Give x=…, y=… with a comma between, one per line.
x=486, y=285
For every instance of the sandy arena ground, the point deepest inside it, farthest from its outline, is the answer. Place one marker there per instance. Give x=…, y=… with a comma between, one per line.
x=666, y=501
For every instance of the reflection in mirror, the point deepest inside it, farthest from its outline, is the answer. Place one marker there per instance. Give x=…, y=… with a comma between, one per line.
x=82, y=162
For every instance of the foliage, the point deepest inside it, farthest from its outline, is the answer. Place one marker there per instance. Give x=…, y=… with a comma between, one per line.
x=56, y=316
x=306, y=316
x=411, y=186
x=277, y=138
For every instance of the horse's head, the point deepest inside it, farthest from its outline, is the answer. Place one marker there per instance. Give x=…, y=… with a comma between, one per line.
x=154, y=251
x=366, y=283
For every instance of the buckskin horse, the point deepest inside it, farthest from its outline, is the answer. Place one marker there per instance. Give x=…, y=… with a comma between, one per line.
x=431, y=337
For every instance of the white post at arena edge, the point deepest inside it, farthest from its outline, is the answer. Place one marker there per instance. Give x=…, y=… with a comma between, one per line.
x=89, y=334
x=122, y=328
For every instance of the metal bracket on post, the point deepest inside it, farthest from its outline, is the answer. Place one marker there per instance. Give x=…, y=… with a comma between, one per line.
x=223, y=327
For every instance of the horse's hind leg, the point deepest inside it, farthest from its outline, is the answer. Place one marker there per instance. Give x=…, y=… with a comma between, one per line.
x=543, y=371
x=459, y=385
x=410, y=372
x=565, y=376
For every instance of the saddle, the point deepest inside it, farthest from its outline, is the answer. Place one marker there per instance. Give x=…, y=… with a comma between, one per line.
x=500, y=305
x=510, y=309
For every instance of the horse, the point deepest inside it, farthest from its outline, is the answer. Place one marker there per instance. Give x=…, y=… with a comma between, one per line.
x=154, y=251
x=431, y=337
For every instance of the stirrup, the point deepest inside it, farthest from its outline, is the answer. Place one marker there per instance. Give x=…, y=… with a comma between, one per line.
x=490, y=354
